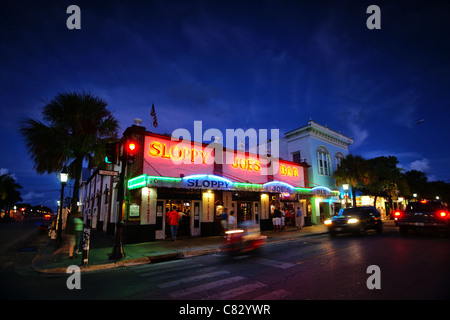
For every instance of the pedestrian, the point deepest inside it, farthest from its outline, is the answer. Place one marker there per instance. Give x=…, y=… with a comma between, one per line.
x=299, y=218
x=288, y=217
x=276, y=220
x=174, y=218
x=224, y=220
x=232, y=221
x=74, y=230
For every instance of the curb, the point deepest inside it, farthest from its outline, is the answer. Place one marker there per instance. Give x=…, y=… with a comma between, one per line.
x=112, y=265
x=181, y=254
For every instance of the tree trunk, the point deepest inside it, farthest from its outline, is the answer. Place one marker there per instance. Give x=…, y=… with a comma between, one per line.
x=78, y=162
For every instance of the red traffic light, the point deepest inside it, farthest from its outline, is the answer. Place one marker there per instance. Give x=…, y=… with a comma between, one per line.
x=131, y=146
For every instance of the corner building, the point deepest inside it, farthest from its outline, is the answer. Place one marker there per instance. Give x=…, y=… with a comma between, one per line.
x=200, y=181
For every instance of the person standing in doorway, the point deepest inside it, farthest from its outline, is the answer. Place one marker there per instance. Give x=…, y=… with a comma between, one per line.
x=174, y=218
x=277, y=219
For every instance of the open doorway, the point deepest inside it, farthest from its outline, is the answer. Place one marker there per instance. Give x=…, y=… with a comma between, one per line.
x=183, y=207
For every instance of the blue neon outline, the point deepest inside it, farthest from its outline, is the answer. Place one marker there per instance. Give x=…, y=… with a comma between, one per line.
x=209, y=176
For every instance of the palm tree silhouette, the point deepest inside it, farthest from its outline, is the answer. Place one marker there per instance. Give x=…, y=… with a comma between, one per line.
x=76, y=127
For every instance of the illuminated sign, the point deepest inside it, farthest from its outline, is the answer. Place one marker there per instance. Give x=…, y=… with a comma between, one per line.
x=206, y=181
x=288, y=171
x=279, y=187
x=209, y=181
x=178, y=153
x=246, y=164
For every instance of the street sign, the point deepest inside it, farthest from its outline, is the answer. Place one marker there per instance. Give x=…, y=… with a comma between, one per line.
x=108, y=173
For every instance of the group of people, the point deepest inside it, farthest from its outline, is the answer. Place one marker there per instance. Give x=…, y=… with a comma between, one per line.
x=284, y=217
x=228, y=220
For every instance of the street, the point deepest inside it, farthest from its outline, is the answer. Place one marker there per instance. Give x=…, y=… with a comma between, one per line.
x=311, y=268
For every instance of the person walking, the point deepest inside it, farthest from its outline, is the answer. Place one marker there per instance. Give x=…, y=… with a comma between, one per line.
x=224, y=220
x=74, y=231
x=232, y=221
x=299, y=218
x=173, y=217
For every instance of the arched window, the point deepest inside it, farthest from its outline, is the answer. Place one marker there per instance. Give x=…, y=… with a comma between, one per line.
x=338, y=159
x=323, y=161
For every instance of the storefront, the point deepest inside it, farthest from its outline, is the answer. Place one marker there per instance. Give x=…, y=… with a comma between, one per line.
x=200, y=181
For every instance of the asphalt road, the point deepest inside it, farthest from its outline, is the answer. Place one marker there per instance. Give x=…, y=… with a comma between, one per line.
x=413, y=267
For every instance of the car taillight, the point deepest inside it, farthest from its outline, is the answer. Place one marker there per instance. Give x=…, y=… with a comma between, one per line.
x=443, y=214
x=397, y=215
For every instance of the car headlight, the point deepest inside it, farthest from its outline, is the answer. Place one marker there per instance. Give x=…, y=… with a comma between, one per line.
x=327, y=222
x=352, y=220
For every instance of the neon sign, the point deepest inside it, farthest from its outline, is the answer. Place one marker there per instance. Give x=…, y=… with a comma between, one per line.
x=279, y=187
x=288, y=171
x=246, y=164
x=206, y=181
x=178, y=153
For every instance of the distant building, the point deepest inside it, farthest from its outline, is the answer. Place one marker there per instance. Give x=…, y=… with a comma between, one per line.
x=322, y=149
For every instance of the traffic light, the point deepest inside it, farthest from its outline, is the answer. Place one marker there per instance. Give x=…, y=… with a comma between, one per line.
x=131, y=148
x=111, y=153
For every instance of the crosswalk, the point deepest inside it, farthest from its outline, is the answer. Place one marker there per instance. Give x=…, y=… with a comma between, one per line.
x=181, y=279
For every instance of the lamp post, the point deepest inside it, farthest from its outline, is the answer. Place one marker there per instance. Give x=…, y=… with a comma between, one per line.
x=63, y=177
x=345, y=187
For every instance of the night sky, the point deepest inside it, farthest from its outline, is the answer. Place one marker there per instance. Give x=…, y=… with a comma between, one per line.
x=235, y=64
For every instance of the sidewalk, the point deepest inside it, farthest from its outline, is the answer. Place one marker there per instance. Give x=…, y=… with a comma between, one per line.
x=52, y=261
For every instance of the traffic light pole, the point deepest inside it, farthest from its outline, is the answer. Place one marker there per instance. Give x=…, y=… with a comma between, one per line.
x=118, y=252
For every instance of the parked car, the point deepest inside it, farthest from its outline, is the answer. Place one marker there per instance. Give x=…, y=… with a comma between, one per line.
x=355, y=220
x=421, y=215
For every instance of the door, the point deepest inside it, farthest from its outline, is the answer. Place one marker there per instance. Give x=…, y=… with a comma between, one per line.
x=183, y=207
x=244, y=211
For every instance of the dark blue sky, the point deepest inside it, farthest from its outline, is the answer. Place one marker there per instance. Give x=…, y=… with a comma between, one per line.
x=235, y=64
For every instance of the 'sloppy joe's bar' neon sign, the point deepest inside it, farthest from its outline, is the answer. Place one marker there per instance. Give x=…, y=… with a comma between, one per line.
x=179, y=153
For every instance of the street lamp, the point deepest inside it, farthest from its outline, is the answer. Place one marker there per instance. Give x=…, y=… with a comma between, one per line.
x=63, y=177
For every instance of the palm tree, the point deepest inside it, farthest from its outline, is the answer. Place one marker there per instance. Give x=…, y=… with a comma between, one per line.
x=352, y=171
x=9, y=193
x=76, y=127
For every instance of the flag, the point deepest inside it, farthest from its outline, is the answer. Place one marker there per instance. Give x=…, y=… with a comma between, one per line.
x=153, y=114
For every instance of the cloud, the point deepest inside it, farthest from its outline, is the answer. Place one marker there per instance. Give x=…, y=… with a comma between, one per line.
x=359, y=135
x=421, y=165
x=6, y=171
x=32, y=195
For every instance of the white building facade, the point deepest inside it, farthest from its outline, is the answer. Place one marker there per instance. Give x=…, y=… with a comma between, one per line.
x=322, y=149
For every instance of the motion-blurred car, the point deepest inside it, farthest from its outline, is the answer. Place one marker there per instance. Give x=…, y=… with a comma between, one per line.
x=355, y=220
x=421, y=215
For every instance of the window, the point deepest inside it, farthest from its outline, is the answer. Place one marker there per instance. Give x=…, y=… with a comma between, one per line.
x=296, y=157
x=323, y=161
x=339, y=157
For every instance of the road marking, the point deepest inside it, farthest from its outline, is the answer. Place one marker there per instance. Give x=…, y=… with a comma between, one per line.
x=322, y=255
x=274, y=263
x=192, y=279
x=204, y=287
x=159, y=276
x=174, y=269
x=274, y=295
